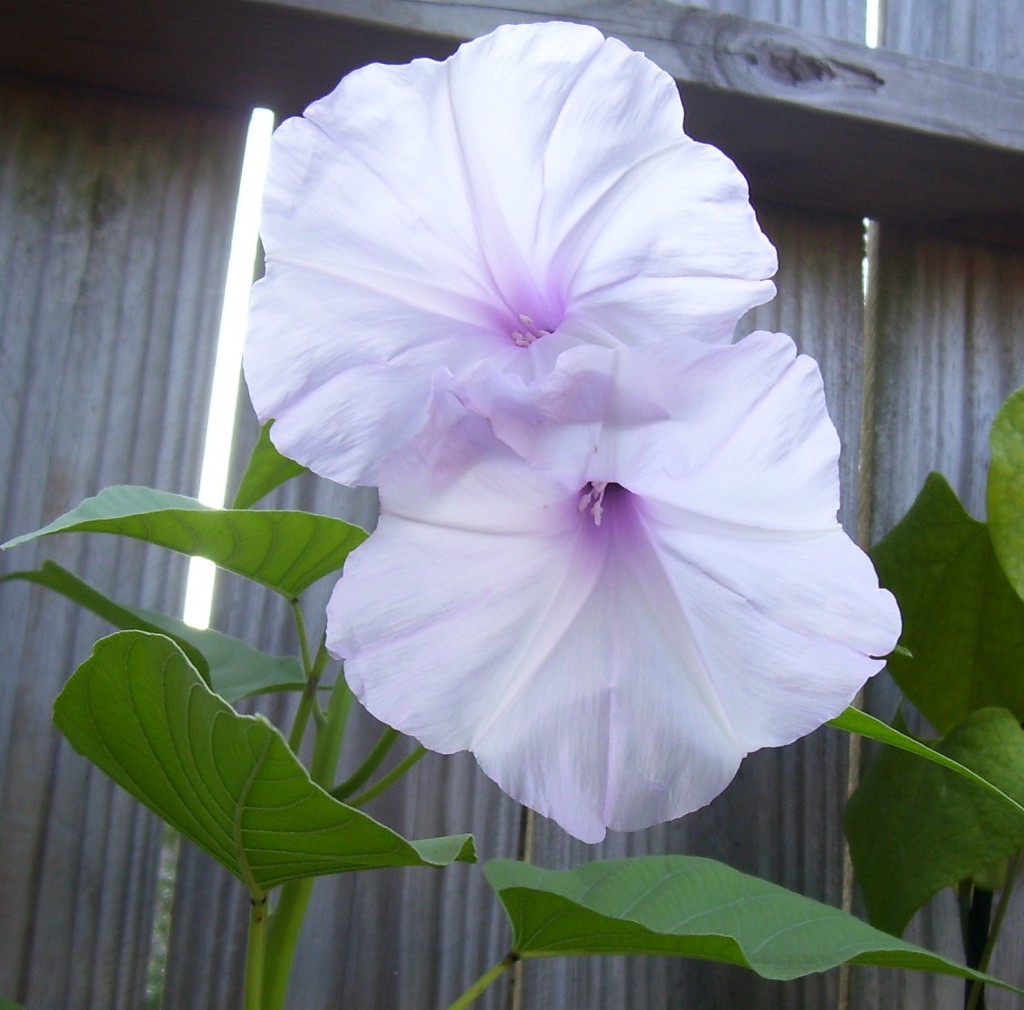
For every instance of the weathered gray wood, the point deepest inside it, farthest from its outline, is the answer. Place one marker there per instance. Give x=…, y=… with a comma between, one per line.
x=114, y=222
x=838, y=19
x=986, y=36
x=815, y=123
x=950, y=347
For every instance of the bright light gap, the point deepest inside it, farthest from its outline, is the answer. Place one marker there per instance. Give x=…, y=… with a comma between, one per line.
x=873, y=26
x=227, y=370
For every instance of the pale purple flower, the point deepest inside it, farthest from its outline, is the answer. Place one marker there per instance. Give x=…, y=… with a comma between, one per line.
x=613, y=583
x=532, y=193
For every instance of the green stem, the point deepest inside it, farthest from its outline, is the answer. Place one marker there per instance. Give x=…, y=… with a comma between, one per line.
x=255, y=954
x=285, y=926
x=368, y=767
x=976, y=935
x=1004, y=903
x=388, y=780
x=997, y=922
x=300, y=629
x=484, y=981
x=286, y=922
x=308, y=700
x=323, y=657
x=308, y=704
x=328, y=741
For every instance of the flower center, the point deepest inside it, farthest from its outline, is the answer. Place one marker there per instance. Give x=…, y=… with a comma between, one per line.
x=592, y=499
x=529, y=333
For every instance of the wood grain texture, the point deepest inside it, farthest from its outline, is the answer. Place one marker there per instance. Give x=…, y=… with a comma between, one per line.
x=838, y=19
x=114, y=221
x=950, y=348
x=816, y=123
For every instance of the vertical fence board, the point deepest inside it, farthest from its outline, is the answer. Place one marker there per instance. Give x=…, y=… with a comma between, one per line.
x=114, y=222
x=950, y=347
x=950, y=343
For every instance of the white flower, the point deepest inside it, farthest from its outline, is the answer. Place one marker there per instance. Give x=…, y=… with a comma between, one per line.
x=532, y=193
x=613, y=583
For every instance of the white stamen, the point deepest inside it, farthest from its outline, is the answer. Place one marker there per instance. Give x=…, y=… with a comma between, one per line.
x=529, y=333
x=593, y=499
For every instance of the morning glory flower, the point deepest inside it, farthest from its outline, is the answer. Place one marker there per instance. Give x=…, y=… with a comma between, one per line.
x=613, y=583
x=532, y=193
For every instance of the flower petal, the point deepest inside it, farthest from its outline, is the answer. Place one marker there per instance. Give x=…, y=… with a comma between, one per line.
x=740, y=431
x=340, y=413
x=538, y=651
x=610, y=656
x=787, y=624
x=531, y=193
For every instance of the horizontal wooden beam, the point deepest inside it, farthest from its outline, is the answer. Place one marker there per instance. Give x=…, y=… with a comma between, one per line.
x=814, y=123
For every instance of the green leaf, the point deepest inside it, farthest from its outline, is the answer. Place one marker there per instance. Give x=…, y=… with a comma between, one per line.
x=139, y=710
x=915, y=828
x=855, y=721
x=233, y=669
x=6, y=1004
x=267, y=469
x=691, y=907
x=1006, y=489
x=285, y=551
x=962, y=620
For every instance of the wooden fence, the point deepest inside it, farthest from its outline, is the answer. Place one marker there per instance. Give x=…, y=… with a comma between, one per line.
x=121, y=127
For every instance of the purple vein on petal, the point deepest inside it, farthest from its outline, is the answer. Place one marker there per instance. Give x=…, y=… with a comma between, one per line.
x=573, y=593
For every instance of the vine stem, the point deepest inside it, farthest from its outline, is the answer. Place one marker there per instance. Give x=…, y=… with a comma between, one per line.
x=390, y=779
x=976, y=990
x=312, y=670
x=255, y=954
x=368, y=767
x=285, y=926
x=485, y=980
x=302, y=714
x=286, y=922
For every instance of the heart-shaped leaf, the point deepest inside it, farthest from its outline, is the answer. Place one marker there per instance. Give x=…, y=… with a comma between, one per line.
x=691, y=907
x=232, y=669
x=963, y=623
x=266, y=470
x=139, y=710
x=915, y=828
x=286, y=551
x=1006, y=489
